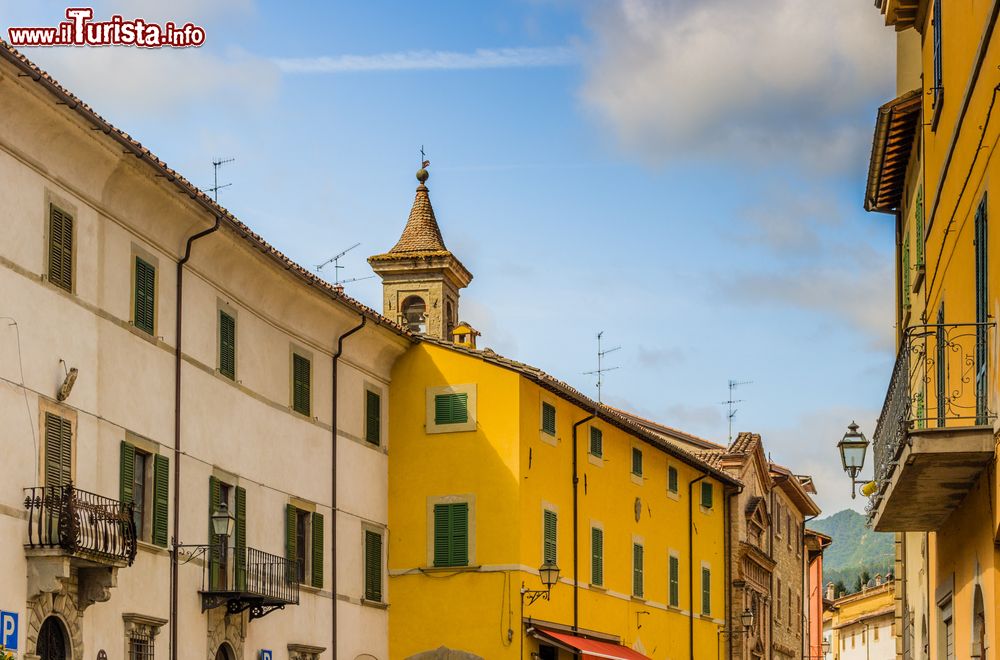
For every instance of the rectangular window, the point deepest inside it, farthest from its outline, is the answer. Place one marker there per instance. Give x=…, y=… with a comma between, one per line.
x=301, y=384
x=791, y=601
x=596, y=556
x=637, y=582
x=938, y=69
x=548, y=418
x=982, y=312
x=373, y=566
x=144, y=316
x=707, y=494
x=60, y=248
x=788, y=527
x=140, y=645
x=227, y=345
x=58, y=450
x=706, y=590
x=373, y=417
x=304, y=544
x=549, y=537
x=672, y=479
x=675, y=571
x=139, y=493
x=451, y=534
x=637, y=461
x=596, y=442
x=451, y=408
x=777, y=609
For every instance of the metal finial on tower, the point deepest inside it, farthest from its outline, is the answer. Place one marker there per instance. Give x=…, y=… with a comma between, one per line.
x=600, y=364
x=422, y=174
x=731, y=403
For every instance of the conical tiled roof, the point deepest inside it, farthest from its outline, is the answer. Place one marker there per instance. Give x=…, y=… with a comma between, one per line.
x=421, y=233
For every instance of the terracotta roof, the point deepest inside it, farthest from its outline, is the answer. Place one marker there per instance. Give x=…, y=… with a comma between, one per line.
x=670, y=432
x=227, y=219
x=744, y=443
x=895, y=130
x=421, y=233
x=571, y=394
x=712, y=457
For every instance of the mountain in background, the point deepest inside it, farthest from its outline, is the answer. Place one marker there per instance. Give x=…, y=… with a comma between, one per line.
x=855, y=548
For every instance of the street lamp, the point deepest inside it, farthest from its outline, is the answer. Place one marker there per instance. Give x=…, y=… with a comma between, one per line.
x=747, y=619
x=223, y=522
x=548, y=573
x=853, y=447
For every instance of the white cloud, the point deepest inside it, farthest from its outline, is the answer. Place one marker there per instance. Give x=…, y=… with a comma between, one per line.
x=417, y=60
x=752, y=79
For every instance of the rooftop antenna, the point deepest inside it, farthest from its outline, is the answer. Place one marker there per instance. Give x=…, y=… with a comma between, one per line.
x=600, y=364
x=216, y=164
x=731, y=403
x=335, y=260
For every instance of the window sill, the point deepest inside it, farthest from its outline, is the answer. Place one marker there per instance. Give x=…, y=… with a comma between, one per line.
x=450, y=569
x=549, y=439
x=374, y=604
x=308, y=588
x=674, y=495
x=597, y=587
x=595, y=460
x=152, y=548
x=706, y=509
x=918, y=279
x=638, y=599
x=636, y=478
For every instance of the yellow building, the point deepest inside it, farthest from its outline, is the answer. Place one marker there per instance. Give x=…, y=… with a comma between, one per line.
x=932, y=168
x=860, y=626
x=497, y=470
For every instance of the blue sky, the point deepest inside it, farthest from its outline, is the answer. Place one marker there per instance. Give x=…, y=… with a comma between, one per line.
x=686, y=176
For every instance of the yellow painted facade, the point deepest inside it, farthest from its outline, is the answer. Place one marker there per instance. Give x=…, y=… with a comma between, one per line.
x=860, y=625
x=949, y=60
x=510, y=471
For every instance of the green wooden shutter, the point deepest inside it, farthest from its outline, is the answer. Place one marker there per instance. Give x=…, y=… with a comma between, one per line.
x=451, y=408
x=301, y=382
x=637, y=570
x=317, y=550
x=919, y=238
x=145, y=296
x=706, y=590
x=706, y=494
x=373, y=417
x=126, y=473
x=596, y=442
x=549, y=418
x=240, y=542
x=161, y=501
x=636, y=461
x=451, y=534
x=550, y=535
x=674, y=581
x=60, y=248
x=672, y=479
x=906, y=272
x=373, y=566
x=227, y=345
x=58, y=450
x=214, y=558
x=597, y=556
x=442, y=536
x=291, y=527
x=980, y=244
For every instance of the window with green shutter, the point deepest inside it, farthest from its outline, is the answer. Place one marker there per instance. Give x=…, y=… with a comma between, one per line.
x=707, y=494
x=215, y=569
x=549, y=536
x=637, y=570
x=161, y=499
x=706, y=590
x=60, y=248
x=596, y=556
x=980, y=244
x=58, y=450
x=672, y=479
x=919, y=238
x=144, y=316
x=373, y=417
x=452, y=408
x=292, y=543
x=637, y=461
x=240, y=539
x=373, y=566
x=316, y=568
x=227, y=345
x=301, y=384
x=906, y=273
x=451, y=534
x=596, y=442
x=548, y=418
x=304, y=545
x=675, y=571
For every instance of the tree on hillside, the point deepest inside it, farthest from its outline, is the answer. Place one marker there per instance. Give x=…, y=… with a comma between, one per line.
x=839, y=589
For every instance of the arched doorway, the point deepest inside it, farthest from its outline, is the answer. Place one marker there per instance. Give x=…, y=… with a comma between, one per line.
x=53, y=642
x=978, y=625
x=225, y=652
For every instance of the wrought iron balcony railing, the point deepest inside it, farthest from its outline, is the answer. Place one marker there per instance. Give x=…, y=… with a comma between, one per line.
x=940, y=381
x=247, y=579
x=83, y=524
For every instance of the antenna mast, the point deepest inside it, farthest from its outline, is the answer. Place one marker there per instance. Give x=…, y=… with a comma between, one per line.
x=731, y=403
x=335, y=260
x=216, y=164
x=600, y=364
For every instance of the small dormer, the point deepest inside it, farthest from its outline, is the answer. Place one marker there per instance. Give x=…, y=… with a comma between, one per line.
x=465, y=335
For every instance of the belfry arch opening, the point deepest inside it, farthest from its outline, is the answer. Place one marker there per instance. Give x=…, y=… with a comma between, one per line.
x=414, y=311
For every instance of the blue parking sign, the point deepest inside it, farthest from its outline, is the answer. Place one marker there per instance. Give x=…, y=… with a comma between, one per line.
x=8, y=630
x=265, y=654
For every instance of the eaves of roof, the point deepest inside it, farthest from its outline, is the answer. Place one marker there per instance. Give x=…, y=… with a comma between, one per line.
x=892, y=144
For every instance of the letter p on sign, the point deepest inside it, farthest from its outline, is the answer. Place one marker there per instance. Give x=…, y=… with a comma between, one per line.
x=8, y=630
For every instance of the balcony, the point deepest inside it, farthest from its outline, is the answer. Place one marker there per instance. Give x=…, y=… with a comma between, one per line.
x=73, y=532
x=247, y=579
x=935, y=433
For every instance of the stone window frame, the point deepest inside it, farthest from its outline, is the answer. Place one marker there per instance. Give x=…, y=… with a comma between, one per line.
x=468, y=498
x=469, y=389
x=142, y=624
x=63, y=203
x=138, y=251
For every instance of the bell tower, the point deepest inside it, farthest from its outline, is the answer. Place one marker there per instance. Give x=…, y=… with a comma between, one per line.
x=421, y=278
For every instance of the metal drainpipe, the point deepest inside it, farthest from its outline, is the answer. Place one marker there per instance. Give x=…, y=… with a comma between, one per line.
x=807, y=641
x=177, y=431
x=333, y=486
x=576, y=536
x=727, y=548
x=691, y=562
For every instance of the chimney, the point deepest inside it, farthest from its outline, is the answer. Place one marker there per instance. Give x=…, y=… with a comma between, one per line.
x=830, y=595
x=878, y=579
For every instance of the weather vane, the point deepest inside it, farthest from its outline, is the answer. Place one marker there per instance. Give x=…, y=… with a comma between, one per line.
x=423, y=158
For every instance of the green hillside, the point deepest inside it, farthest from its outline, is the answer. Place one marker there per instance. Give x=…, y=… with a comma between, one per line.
x=855, y=548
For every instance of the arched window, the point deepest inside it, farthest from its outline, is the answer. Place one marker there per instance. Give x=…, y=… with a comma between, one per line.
x=414, y=310
x=52, y=642
x=225, y=652
x=449, y=321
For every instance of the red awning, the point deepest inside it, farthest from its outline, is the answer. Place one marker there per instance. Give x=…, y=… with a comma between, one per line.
x=591, y=648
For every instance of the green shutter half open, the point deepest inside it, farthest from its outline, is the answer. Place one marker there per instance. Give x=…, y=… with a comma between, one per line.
x=291, y=527
x=126, y=473
x=161, y=499
x=317, y=550
x=214, y=558
x=240, y=542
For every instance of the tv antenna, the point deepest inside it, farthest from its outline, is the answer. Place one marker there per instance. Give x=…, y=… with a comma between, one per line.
x=731, y=403
x=600, y=364
x=335, y=260
x=216, y=164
